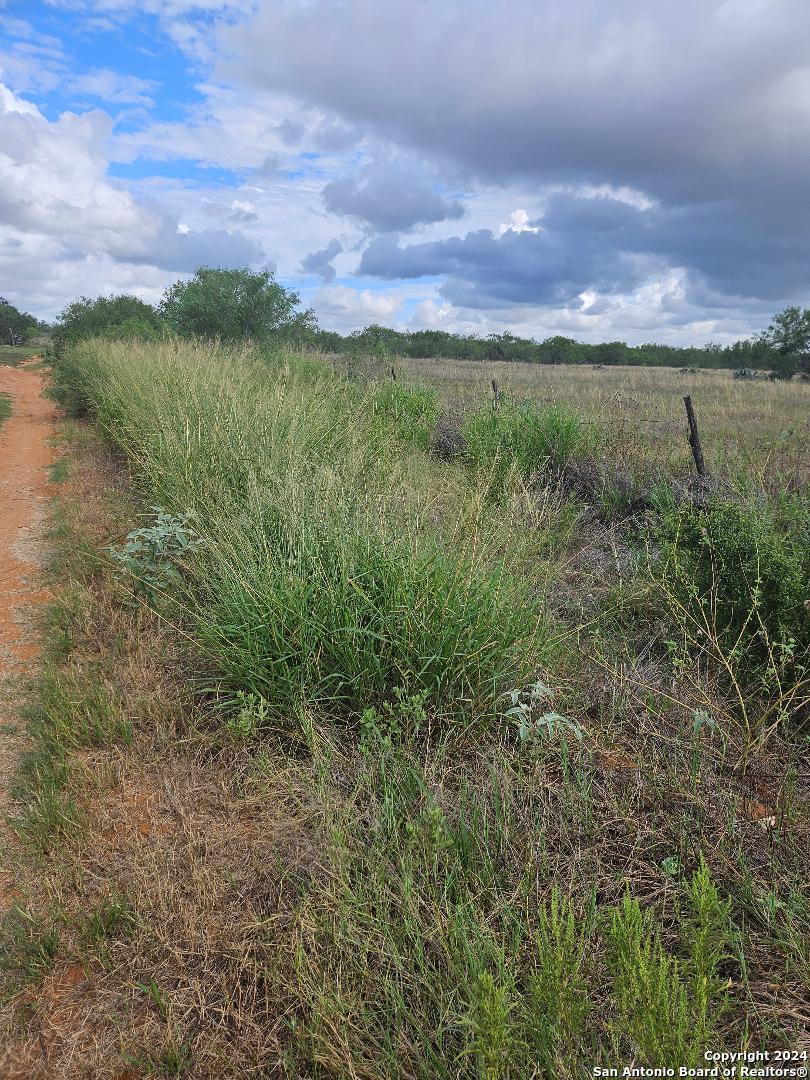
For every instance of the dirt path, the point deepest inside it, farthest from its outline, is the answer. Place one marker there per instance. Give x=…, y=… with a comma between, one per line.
x=24, y=455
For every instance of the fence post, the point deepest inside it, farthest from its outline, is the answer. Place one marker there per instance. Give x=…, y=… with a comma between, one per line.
x=694, y=437
x=496, y=394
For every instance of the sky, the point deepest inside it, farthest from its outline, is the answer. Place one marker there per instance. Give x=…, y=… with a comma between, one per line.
x=634, y=170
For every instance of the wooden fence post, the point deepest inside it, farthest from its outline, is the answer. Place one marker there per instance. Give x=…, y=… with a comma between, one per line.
x=694, y=437
x=496, y=394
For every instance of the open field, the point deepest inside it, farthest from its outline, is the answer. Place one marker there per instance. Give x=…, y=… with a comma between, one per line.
x=360, y=753
x=760, y=426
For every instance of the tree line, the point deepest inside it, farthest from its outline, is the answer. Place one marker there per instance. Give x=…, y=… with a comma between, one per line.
x=17, y=327
x=238, y=305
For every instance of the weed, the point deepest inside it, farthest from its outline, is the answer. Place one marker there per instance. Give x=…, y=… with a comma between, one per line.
x=491, y=1029
x=548, y=725
x=651, y=998
x=155, y=995
x=249, y=717
x=112, y=917
x=402, y=718
x=58, y=472
x=27, y=950
x=559, y=998
x=151, y=555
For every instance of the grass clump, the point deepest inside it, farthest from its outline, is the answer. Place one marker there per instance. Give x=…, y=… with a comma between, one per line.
x=410, y=411
x=28, y=948
x=735, y=575
x=524, y=436
x=5, y=407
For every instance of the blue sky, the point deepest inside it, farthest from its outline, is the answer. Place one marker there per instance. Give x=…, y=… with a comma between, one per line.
x=619, y=171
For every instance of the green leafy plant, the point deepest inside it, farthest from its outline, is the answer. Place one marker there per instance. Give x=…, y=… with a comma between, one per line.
x=651, y=997
x=385, y=727
x=524, y=706
x=249, y=716
x=490, y=1022
x=708, y=935
x=150, y=555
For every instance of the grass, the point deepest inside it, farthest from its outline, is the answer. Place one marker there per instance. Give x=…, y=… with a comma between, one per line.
x=317, y=583
x=15, y=354
x=5, y=407
x=313, y=842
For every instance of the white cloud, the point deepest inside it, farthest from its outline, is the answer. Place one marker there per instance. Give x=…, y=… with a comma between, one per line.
x=113, y=87
x=52, y=176
x=62, y=218
x=431, y=315
x=518, y=221
x=343, y=301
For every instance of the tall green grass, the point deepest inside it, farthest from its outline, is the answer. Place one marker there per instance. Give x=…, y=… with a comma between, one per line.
x=525, y=437
x=5, y=407
x=332, y=575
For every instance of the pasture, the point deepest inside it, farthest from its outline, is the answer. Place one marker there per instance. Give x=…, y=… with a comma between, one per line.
x=759, y=426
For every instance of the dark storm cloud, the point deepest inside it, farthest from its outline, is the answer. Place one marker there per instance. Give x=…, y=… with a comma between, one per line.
x=604, y=244
x=320, y=262
x=534, y=268
x=184, y=252
x=701, y=105
x=389, y=200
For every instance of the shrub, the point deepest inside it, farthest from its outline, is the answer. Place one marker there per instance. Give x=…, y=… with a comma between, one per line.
x=745, y=567
x=112, y=317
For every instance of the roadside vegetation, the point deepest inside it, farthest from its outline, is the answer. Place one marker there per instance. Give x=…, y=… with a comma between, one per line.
x=387, y=735
x=5, y=407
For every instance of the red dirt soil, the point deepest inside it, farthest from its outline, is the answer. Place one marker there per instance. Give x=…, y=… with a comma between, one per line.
x=25, y=453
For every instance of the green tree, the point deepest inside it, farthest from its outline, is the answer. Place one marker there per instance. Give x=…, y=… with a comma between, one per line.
x=119, y=316
x=15, y=326
x=235, y=305
x=789, y=335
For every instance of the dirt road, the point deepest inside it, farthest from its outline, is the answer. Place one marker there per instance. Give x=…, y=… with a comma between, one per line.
x=25, y=454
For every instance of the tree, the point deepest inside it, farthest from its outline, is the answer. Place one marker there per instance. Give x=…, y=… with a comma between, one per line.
x=234, y=305
x=121, y=316
x=15, y=325
x=789, y=335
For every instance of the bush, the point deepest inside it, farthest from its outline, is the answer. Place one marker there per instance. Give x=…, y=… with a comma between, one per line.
x=111, y=317
x=741, y=570
x=234, y=305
